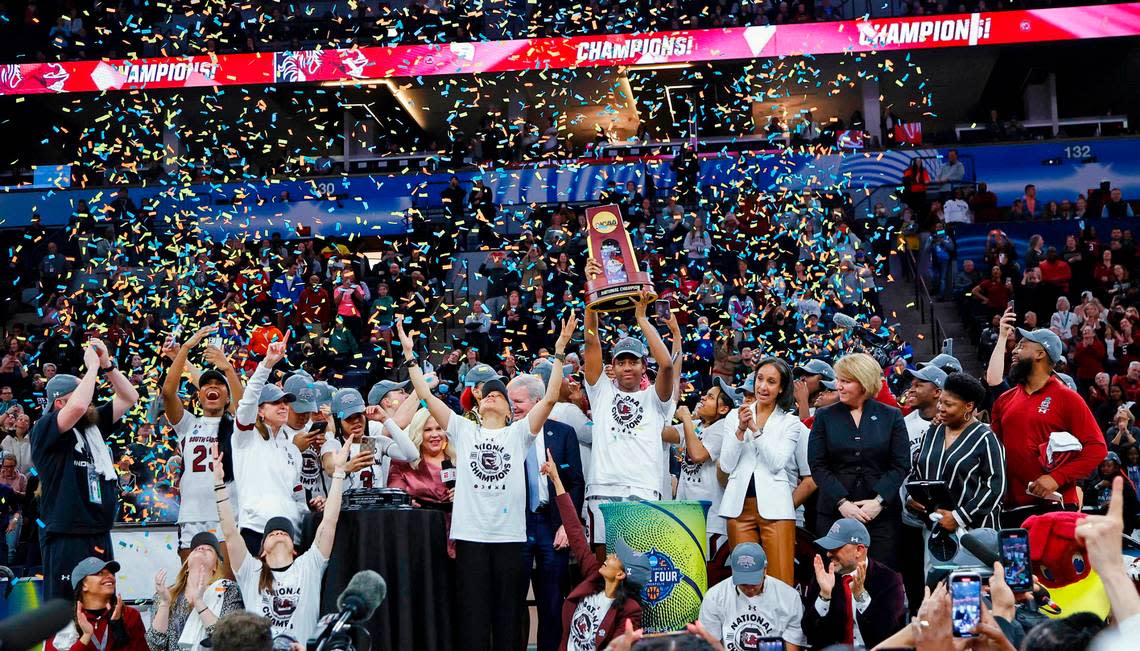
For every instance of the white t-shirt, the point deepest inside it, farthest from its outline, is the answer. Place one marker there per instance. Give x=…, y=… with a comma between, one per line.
x=627, y=452
x=490, y=487
x=916, y=427
x=376, y=475
x=311, y=479
x=956, y=211
x=798, y=466
x=586, y=621
x=698, y=481
x=740, y=621
x=197, y=436
x=293, y=605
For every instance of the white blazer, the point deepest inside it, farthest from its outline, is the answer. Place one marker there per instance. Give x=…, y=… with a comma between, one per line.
x=762, y=457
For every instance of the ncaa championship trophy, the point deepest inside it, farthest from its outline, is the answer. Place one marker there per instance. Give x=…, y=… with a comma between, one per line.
x=621, y=281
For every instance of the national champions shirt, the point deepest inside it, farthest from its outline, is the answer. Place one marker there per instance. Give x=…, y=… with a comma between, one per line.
x=586, y=621
x=293, y=604
x=740, y=622
x=490, y=490
x=698, y=481
x=627, y=453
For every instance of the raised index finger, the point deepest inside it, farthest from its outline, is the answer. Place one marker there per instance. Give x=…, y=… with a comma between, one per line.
x=1116, y=504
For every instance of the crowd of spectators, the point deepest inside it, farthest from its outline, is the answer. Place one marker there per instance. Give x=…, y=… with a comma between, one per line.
x=80, y=29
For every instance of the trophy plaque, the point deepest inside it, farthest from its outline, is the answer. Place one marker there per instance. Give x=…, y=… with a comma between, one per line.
x=621, y=280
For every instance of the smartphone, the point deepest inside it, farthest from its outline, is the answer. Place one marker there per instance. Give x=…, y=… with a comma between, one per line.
x=661, y=308
x=218, y=342
x=770, y=644
x=318, y=426
x=1015, y=559
x=965, y=602
x=368, y=446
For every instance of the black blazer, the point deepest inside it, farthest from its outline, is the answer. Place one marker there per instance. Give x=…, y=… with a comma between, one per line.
x=882, y=619
x=562, y=442
x=858, y=463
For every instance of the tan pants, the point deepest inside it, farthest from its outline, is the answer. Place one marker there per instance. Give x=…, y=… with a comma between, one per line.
x=777, y=537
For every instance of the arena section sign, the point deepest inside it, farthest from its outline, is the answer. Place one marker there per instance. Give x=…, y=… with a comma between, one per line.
x=864, y=35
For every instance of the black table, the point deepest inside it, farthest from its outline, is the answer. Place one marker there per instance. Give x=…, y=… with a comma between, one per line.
x=408, y=547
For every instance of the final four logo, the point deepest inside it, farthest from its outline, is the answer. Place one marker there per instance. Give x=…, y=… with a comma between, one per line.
x=663, y=577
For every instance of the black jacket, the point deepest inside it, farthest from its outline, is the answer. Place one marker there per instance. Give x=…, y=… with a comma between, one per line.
x=858, y=464
x=562, y=442
x=882, y=619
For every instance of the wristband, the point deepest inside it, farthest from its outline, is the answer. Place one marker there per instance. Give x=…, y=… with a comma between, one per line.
x=560, y=357
x=103, y=371
x=340, y=474
x=410, y=363
x=219, y=487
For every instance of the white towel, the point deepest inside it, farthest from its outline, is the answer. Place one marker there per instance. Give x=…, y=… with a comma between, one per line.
x=92, y=438
x=1062, y=442
x=195, y=629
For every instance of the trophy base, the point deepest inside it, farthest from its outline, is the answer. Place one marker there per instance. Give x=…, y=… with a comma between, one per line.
x=603, y=296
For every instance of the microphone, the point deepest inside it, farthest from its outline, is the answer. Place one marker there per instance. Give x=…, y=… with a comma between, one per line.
x=362, y=596
x=356, y=603
x=6, y=573
x=447, y=473
x=27, y=630
x=983, y=544
x=843, y=321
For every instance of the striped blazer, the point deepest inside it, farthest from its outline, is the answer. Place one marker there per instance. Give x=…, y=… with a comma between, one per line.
x=973, y=468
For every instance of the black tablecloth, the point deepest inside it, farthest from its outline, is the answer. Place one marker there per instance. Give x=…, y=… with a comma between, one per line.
x=409, y=549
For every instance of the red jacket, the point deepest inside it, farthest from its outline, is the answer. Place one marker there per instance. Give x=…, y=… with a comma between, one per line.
x=314, y=306
x=614, y=622
x=131, y=637
x=1056, y=273
x=1023, y=422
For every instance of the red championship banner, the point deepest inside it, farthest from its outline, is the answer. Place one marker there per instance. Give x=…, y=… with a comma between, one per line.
x=927, y=32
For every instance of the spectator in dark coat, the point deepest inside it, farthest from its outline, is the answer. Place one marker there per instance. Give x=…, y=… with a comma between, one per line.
x=854, y=600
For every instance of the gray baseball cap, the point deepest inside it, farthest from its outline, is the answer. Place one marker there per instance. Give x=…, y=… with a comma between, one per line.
x=944, y=361
x=815, y=367
x=733, y=394
x=382, y=388
x=479, y=374
x=636, y=565
x=544, y=367
x=1047, y=339
x=347, y=402
x=628, y=346
x=749, y=564
x=59, y=386
x=929, y=373
x=749, y=386
x=324, y=392
x=306, y=392
x=90, y=566
x=845, y=531
x=273, y=393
